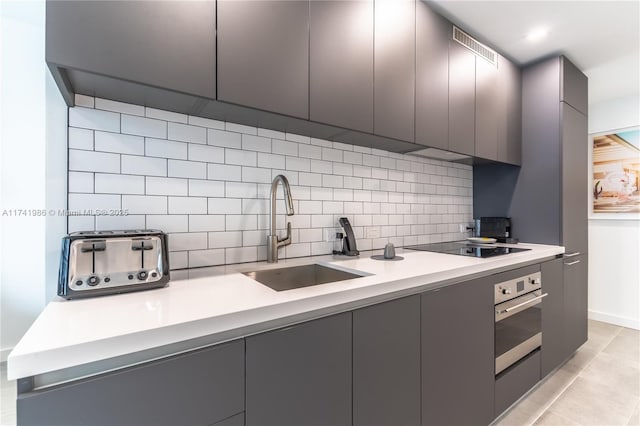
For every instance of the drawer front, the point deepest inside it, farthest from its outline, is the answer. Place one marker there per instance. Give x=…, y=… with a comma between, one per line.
x=516, y=381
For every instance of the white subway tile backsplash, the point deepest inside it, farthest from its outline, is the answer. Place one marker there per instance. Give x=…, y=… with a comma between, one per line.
x=207, y=183
x=206, y=122
x=115, y=142
x=144, y=204
x=80, y=182
x=159, y=114
x=256, y=143
x=225, y=239
x=109, y=223
x=187, y=169
x=115, y=106
x=224, y=206
x=166, y=149
x=188, y=241
x=94, y=119
x=141, y=126
x=204, y=222
x=199, y=258
x=80, y=138
x=166, y=186
x=118, y=184
x=84, y=101
x=186, y=133
x=168, y=223
x=147, y=166
x=187, y=205
x=179, y=259
x=207, y=154
x=89, y=161
x=85, y=203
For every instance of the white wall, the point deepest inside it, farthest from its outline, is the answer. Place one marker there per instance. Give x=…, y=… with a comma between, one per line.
x=26, y=146
x=614, y=245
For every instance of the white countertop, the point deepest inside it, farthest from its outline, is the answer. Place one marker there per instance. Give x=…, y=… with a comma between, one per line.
x=211, y=305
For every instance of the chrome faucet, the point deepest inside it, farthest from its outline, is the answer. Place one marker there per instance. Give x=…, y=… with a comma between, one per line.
x=273, y=242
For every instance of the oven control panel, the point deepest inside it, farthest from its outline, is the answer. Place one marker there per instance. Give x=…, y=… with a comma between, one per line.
x=508, y=290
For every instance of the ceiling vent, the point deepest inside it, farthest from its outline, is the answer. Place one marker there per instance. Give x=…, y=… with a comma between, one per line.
x=475, y=46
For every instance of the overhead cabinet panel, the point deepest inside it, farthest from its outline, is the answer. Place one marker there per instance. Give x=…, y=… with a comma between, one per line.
x=432, y=77
x=263, y=55
x=509, y=94
x=573, y=88
x=168, y=44
x=341, y=63
x=462, y=88
x=486, y=119
x=394, y=59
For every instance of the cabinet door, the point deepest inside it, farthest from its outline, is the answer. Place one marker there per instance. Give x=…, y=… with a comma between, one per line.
x=487, y=103
x=575, y=302
x=341, y=63
x=300, y=375
x=462, y=95
x=263, y=55
x=573, y=86
x=432, y=77
x=394, y=65
x=574, y=179
x=509, y=112
x=553, y=350
x=458, y=354
x=168, y=44
x=386, y=363
x=197, y=388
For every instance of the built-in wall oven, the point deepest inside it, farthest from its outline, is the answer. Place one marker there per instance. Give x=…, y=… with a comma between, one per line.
x=518, y=320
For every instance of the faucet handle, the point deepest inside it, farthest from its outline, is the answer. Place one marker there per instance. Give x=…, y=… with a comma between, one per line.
x=286, y=240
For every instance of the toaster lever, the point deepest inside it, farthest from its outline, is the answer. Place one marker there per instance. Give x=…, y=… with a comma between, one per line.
x=93, y=246
x=139, y=245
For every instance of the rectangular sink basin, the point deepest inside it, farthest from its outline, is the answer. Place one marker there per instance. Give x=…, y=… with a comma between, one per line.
x=281, y=279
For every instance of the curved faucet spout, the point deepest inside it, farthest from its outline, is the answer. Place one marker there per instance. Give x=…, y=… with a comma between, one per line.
x=273, y=242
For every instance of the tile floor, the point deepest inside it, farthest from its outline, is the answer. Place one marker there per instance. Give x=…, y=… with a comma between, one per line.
x=599, y=386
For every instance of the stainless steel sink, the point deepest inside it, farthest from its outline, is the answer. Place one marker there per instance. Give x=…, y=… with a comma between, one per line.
x=281, y=279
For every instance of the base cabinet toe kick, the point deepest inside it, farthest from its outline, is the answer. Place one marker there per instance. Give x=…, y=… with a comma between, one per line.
x=422, y=359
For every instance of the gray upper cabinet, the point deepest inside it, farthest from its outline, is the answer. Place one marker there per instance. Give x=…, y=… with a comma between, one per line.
x=300, y=375
x=462, y=108
x=263, y=55
x=458, y=354
x=121, y=40
x=509, y=97
x=394, y=68
x=386, y=363
x=341, y=63
x=573, y=86
x=197, y=388
x=574, y=177
x=487, y=114
x=432, y=77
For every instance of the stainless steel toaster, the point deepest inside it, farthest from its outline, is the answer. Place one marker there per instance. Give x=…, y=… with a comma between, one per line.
x=98, y=263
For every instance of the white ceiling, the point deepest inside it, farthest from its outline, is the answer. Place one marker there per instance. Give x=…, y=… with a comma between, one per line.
x=601, y=37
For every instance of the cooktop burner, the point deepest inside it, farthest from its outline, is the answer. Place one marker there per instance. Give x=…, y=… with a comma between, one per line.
x=464, y=248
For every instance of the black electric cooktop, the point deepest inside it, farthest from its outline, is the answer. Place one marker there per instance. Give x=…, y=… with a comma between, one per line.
x=465, y=248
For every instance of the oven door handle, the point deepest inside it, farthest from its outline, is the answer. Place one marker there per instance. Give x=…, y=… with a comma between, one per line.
x=520, y=305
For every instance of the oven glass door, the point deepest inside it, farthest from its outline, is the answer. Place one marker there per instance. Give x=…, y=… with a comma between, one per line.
x=518, y=329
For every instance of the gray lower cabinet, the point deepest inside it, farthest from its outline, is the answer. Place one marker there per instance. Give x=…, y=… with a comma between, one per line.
x=462, y=99
x=121, y=40
x=458, y=354
x=386, y=364
x=300, y=375
x=553, y=351
x=394, y=68
x=515, y=381
x=263, y=55
x=197, y=388
x=341, y=63
x=575, y=302
x=432, y=77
